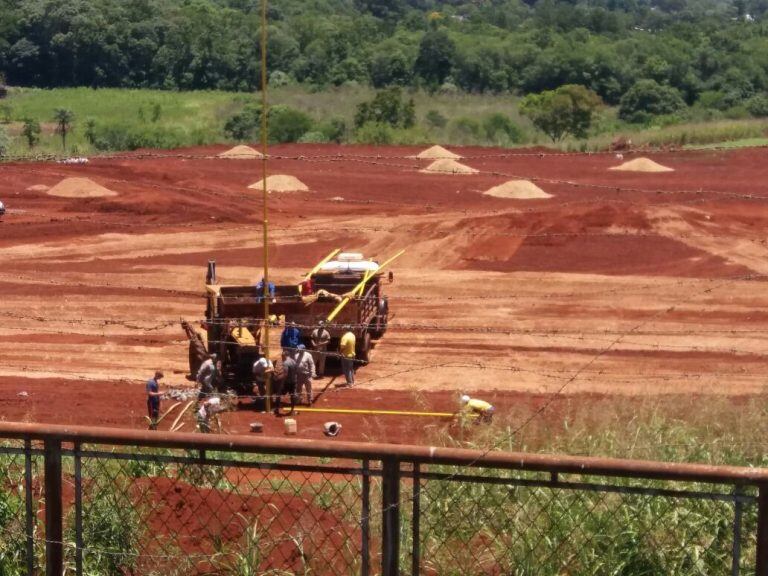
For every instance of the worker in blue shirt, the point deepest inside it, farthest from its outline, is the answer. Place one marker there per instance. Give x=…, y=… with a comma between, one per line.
x=291, y=338
x=270, y=288
x=153, y=399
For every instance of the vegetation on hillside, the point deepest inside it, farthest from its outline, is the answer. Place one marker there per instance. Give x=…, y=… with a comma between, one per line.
x=645, y=64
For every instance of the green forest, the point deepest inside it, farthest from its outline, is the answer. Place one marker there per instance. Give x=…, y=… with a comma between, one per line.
x=651, y=61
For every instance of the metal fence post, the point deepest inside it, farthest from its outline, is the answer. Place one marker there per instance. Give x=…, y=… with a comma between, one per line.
x=29, y=504
x=54, y=547
x=390, y=507
x=78, y=512
x=365, y=521
x=416, y=521
x=762, y=531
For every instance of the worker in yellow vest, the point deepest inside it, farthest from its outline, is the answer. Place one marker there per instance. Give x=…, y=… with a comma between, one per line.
x=347, y=349
x=476, y=410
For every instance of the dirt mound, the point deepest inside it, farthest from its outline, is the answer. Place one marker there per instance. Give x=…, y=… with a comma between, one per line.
x=281, y=183
x=242, y=153
x=642, y=165
x=80, y=188
x=517, y=189
x=38, y=188
x=437, y=152
x=448, y=166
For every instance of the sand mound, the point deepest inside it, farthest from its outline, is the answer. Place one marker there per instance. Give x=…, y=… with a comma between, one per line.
x=242, y=153
x=437, y=152
x=642, y=165
x=281, y=183
x=518, y=189
x=80, y=188
x=38, y=188
x=447, y=166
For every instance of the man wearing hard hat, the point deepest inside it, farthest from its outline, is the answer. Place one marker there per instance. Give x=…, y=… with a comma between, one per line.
x=476, y=410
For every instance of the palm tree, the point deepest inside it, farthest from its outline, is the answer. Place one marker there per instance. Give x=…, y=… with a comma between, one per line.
x=63, y=118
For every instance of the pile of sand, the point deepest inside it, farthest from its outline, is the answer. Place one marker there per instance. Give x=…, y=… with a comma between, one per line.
x=242, y=153
x=281, y=183
x=518, y=189
x=437, y=152
x=80, y=188
x=38, y=188
x=447, y=166
x=642, y=165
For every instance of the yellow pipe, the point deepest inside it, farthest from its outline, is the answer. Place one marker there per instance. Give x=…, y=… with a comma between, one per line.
x=377, y=412
x=346, y=299
x=321, y=263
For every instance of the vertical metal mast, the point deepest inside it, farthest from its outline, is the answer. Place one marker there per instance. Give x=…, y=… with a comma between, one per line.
x=265, y=221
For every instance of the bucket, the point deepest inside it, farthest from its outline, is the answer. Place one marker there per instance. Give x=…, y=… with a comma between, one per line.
x=290, y=426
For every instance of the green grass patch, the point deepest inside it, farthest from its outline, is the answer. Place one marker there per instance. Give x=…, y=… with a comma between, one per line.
x=172, y=118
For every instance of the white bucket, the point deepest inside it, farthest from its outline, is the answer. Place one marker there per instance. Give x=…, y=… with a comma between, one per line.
x=290, y=426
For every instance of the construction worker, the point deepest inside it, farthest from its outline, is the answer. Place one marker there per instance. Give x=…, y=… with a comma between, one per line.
x=320, y=338
x=209, y=407
x=153, y=399
x=347, y=349
x=260, y=290
x=208, y=376
x=290, y=338
x=261, y=368
x=305, y=371
x=476, y=410
x=288, y=383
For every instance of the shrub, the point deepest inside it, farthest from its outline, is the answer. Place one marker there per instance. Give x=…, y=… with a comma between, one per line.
x=31, y=131
x=315, y=137
x=436, y=120
x=648, y=98
x=569, y=109
x=374, y=133
x=499, y=129
x=387, y=107
x=758, y=106
x=6, y=113
x=5, y=142
x=466, y=130
x=129, y=136
x=285, y=124
x=334, y=130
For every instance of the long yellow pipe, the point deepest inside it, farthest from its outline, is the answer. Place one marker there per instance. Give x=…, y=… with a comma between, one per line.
x=320, y=264
x=346, y=299
x=377, y=412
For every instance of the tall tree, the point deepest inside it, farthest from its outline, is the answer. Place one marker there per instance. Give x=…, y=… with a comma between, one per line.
x=436, y=56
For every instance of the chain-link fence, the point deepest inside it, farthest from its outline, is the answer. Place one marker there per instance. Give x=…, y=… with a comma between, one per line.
x=104, y=502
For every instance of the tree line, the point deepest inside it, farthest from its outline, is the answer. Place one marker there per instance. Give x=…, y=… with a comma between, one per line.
x=651, y=56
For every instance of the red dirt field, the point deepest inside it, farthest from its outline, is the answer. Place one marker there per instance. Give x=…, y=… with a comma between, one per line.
x=629, y=285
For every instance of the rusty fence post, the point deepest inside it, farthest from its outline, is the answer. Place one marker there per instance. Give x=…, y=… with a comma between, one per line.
x=78, y=511
x=761, y=568
x=390, y=508
x=416, y=521
x=29, y=507
x=54, y=547
x=365, y=520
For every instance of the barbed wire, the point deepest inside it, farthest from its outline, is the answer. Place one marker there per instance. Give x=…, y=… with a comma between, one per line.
x=411, y=168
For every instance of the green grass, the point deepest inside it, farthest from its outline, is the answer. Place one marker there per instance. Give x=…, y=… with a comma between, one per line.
x=198, y=118
x=732, y=144
x=194, y=118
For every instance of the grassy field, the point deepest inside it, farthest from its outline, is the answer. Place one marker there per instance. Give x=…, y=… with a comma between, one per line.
x=164, y=119
x=189, y=118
